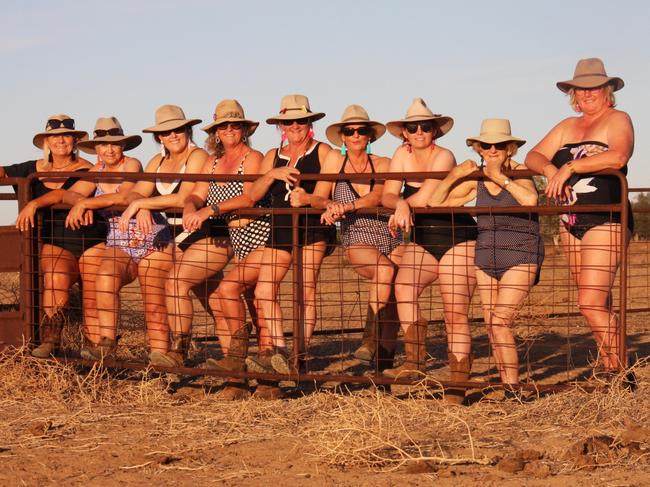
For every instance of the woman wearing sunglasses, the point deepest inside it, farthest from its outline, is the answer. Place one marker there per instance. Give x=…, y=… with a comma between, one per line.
x=62, y=247
x=601, y=137
x=301, y=155
x=509, y=249
x=178, y=155
x=369, y=246
x=441, y=247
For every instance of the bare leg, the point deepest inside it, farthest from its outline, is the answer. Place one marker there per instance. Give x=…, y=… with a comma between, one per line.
x=88, y=266
x=153, y=272
x=312, y=258
x=60, y=271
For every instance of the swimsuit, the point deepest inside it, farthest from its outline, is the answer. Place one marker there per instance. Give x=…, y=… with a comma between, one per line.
x=249, y=237
x=133, y=242
x=365, y=229
x=590, y=190
x=437, y=233
x=53, y=230
x=310, y=230
x=506, y=240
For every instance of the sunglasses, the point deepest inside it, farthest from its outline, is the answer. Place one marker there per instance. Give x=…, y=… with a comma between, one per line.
x=412, y=127
x=104, y=133
x=55, y=124
x=167, y=133
x=498, y=146
x=300, y=121
x=232, y=125
x=363, y=131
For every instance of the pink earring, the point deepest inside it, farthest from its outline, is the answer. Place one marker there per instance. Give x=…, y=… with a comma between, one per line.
x=407, y=145
x=283, y=138
x=311, y=133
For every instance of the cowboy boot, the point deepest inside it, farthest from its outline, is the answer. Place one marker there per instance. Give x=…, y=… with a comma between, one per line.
x=50, y=330
x=261, y=363
x=235, y=360
x=366, y=351
x=415, y=364
x=175, y=357
x=388, y=330
x=459, y=371
x=102, y=350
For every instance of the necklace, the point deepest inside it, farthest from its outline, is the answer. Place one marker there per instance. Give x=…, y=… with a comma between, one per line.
x=365, y=165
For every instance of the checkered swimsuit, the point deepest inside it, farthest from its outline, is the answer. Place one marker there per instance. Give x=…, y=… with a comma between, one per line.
x=243, y=239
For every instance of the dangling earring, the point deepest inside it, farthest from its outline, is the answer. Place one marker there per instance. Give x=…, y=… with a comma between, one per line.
x=163, y=152
x=344, y=149
x=283, y=138
x=368, y=149
x=311, y=133
x=243, y=139
x=407, y=145
x=217, y=140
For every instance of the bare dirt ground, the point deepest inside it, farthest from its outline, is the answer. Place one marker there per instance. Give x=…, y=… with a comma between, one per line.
x=67, y=425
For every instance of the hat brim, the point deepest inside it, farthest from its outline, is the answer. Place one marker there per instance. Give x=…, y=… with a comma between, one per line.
x=333, y=132
x=294, y=116
x=171, y=125
x=495, y=139
x=590, y=82
x=252, y=126
x=40, y=137
x=129, y=142
x=443, y=124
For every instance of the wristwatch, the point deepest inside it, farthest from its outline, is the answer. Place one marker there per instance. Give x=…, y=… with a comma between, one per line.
x=506, y=182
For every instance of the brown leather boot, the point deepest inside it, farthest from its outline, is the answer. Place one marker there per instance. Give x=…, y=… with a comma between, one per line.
x=105, y=348
x=366, y=351
x=459, y=371
x=235, y=360
x=50, y=329
x=415, y=364
x=388, y=330
x=175, y=357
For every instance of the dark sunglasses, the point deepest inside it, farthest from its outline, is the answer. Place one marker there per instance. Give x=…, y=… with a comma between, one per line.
x=167, y=133
x=412, y=127
x=363, y=131
x=55, y=124
x=300, y=121
x=232, y=125
x=104, y=133
x=499, y=146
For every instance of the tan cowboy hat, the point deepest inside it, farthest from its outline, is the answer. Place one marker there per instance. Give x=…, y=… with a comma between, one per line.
x=417, y=112
x=354, y=114
x=170, y=117
x=109, y=131
x=495, y=130
x=590, y=73
x=58, y=125
x=230, y=111
x=295, y=107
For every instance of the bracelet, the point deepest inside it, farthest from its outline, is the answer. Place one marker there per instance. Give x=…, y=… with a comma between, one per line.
x=216, y=209
x=354, y=206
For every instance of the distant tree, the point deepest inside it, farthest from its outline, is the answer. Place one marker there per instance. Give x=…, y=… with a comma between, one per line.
x=642, y=220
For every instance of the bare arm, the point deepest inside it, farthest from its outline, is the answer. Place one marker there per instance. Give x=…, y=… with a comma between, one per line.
x=449, y=192
x=522, y=189
x=444, y=161
x=262, y=185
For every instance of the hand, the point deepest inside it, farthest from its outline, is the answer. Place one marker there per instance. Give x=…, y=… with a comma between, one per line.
x=285, y=173
x=144, y=221
x=193, y=221
x=556, y=186
x=333, y=213
x=298, y=198
x=465, y=168
x=127, y=214
x=25, y=219
x=402, y=217
x=77, y=216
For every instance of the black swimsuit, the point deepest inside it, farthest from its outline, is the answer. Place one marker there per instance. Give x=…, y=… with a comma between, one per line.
x=590, y=190
x=310, y=228
x=437, y=233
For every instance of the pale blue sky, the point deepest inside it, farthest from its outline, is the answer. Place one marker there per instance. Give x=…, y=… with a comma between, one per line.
x=470, y=60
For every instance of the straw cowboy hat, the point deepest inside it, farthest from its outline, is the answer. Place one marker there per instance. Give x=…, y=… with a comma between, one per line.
x=354, y=114
x=418, y=112
x=230, y=111
x=170, y=117
x=590, y=73
x=109, y=131
x=295, y=107
x=58, y=125
x=495, y=130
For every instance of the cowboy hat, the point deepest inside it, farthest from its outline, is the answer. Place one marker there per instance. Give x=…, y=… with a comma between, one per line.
x=417, y=112
x=230, y=111
x=109, y=131
x=590, y=73
x=170, y=117
x=353, y=115
x=495, y=130
x=58, y=125
x=294, y=107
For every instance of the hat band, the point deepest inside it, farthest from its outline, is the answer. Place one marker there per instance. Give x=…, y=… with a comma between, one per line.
x=302, y=108
x=590, y=74
x=217, y=116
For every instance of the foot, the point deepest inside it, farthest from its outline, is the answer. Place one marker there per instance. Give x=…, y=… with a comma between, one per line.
x=280, y=361
x=365, y=354
x=165, y=359
x=226, y=364
x=262, y=363
x=44, y=350
x=102, y=350
x=405, y=371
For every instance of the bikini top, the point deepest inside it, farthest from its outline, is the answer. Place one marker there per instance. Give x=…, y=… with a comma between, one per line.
x=349, y=183
x=173, y=187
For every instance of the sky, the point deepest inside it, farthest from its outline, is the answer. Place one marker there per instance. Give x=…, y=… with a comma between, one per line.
x=467, y=59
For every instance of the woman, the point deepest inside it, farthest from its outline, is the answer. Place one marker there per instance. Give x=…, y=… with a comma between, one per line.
x=301, y=155
x=178, y=155
x=369, y=246
x=509, y=249
x=229, y=143
x=441, y=247
x=61, y=247
x=601, y=137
